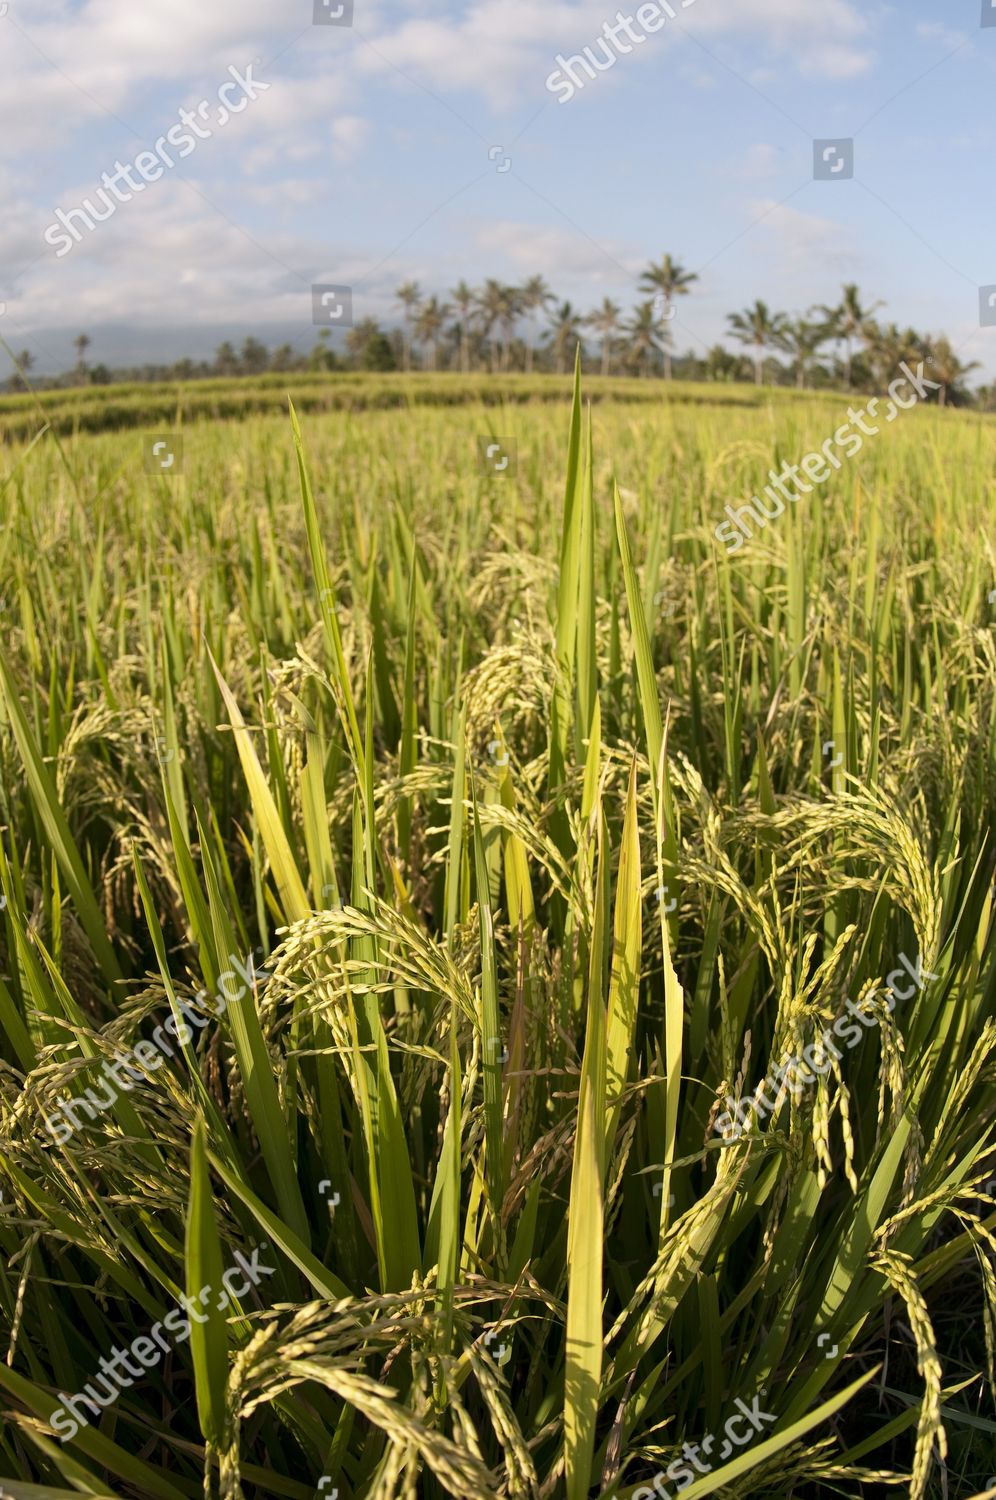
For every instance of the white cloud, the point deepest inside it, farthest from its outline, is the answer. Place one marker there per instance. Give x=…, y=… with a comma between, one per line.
x=804, y=242
x=760, y=161
x=496, y=46
x=698, y=76
x=69, y=65
x=349, y=133
x=830, y=39
x=531, y=247
x=270, y=154
x=106, y=57
x=835, y=61
x=289, y=192
x=168, y=258
x=935, y=31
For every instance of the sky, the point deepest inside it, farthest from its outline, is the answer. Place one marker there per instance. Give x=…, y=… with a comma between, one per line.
x=418, y=140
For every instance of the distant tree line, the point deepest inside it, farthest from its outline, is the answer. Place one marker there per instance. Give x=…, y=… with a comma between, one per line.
x=498, y=328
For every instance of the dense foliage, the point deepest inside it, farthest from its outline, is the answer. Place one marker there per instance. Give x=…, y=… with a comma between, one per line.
x=540, y=829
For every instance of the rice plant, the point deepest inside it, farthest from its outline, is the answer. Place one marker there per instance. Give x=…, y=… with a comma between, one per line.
x=497, y=994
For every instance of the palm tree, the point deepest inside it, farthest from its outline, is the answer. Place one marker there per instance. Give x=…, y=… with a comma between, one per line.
x=369, y=346
x=491, y=305
x=24, y=362
x=720, y=364
x=284, y=358
x=409, y=295
x=668, y=280
x=226, y=361
x=429, y=324
x=564, y=335
x=644, y=339
x=511, y=311
x=949, y=370
x=321, y=356
x=536, y=297
x=802, y=340
x=464, y=299
x=255, y=356
x=758, y=328
x=81, y=344
x=889, y=346
x=847, y=322
x=605, y=321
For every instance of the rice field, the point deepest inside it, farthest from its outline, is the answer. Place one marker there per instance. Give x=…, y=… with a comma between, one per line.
x=538, y=964
x=153, y=405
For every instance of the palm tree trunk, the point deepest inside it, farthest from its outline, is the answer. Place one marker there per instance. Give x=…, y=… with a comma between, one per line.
x=606, y=356
x=667, y=364
x=529, y=355
x=759, y=365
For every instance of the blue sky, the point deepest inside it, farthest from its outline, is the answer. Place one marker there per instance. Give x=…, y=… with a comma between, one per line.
x=371, y=159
